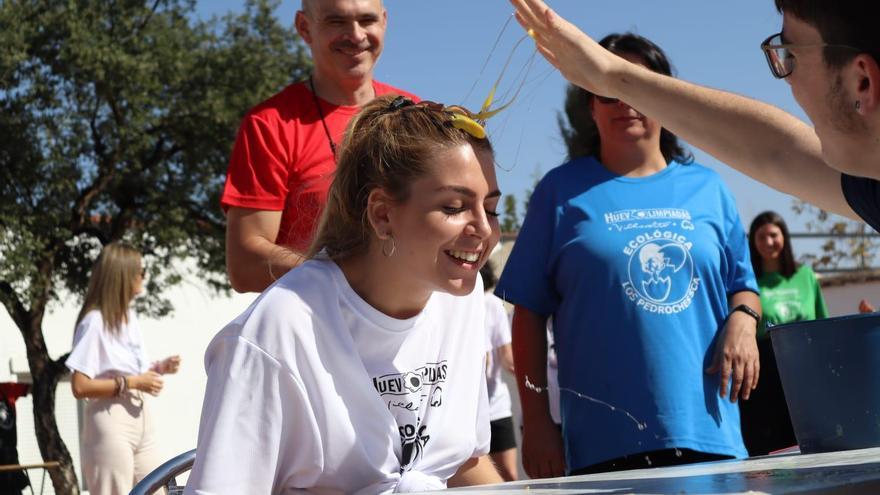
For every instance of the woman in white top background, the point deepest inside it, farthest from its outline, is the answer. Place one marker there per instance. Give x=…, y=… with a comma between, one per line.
x=111, y=371
x=502, y=449
x=363, y=369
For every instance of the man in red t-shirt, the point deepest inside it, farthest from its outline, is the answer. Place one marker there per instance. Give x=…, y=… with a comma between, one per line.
x=284, y=156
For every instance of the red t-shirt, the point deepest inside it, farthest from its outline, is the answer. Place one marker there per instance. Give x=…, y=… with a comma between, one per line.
x=10, y=391
x=282, y=159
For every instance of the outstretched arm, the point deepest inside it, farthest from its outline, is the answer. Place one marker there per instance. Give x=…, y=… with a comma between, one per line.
x=757, y=139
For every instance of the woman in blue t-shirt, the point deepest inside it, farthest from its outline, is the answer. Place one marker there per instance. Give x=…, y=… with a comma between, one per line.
x=641, y=260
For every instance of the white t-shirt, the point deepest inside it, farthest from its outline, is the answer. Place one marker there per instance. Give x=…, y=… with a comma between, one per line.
x=311, y=390
x=100, y=353
x=498, y=334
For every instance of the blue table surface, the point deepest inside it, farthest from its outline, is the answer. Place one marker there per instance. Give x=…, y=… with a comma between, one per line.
x=845, y=472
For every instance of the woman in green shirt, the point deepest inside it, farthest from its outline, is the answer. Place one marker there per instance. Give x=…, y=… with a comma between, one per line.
x=789, y=292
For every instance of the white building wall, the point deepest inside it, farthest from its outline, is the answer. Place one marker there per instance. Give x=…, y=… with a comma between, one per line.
x=844, y=299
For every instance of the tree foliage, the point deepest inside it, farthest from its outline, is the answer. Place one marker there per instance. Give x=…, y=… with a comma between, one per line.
x=848, y=244
x=577, y=128
x=116, y=122
x=511, y=217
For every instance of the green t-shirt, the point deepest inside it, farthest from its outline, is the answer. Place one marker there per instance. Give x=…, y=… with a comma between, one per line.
x=784, y=300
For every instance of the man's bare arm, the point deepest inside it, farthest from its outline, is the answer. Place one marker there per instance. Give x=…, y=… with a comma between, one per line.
x=253, y=260
x=760, y=140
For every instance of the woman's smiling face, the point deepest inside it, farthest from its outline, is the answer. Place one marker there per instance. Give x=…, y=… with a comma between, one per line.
x=769, y=241
x=443, y=233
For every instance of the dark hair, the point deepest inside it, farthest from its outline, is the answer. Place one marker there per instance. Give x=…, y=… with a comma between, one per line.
x=488, y=274
x=842, y=22
x=582, y=136
x=787, y=265
x=387, y=145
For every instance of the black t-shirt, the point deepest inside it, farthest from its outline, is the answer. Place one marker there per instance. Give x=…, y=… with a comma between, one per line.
x=11, y=482
x=863, y=196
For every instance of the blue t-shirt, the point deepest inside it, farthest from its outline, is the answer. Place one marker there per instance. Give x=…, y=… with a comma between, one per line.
x=636, y=273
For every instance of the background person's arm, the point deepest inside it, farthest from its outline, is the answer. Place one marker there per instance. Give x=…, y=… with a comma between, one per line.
x=757, y=139
x=476, y=471
x=253, y=260
x=505, y=354
x=84, y=387
x=542, y=451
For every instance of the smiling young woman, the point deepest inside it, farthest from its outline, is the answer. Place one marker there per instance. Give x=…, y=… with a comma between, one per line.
x=363, y=369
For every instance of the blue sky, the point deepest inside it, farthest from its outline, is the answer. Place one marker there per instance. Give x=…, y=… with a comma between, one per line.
x=436, y=48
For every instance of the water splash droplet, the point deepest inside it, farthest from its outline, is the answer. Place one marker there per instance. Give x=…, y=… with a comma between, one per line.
x=531, y=386
x=640, y=425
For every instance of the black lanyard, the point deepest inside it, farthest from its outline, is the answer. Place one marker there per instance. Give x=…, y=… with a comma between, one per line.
x=321, y=114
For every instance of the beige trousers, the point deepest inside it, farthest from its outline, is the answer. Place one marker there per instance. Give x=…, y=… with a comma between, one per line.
x=118, y=445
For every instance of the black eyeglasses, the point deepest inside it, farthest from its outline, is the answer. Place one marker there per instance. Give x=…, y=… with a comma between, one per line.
x=606, y=100
x=779, y=56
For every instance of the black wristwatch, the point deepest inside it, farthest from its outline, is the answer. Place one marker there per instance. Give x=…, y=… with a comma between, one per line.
x=747, y=310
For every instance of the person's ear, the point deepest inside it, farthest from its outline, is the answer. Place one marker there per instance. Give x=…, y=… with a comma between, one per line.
x=379, y=207
x=864, y=82
x=301, y=22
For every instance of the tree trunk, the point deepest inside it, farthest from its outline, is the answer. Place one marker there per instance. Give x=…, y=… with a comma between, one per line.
x=46, y=374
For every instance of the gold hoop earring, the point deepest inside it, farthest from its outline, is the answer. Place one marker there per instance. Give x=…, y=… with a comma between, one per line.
x=388, y=253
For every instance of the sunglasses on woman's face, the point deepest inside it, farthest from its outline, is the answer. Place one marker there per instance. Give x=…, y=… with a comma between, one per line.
x=606, y=100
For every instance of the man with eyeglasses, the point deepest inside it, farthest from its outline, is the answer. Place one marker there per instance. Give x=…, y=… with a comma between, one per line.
x=828, y=52
x=285, y=153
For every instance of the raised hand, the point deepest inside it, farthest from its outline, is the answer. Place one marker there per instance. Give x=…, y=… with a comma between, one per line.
x=580, y=59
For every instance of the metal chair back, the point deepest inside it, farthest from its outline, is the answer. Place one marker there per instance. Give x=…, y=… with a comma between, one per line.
x=165, y=476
